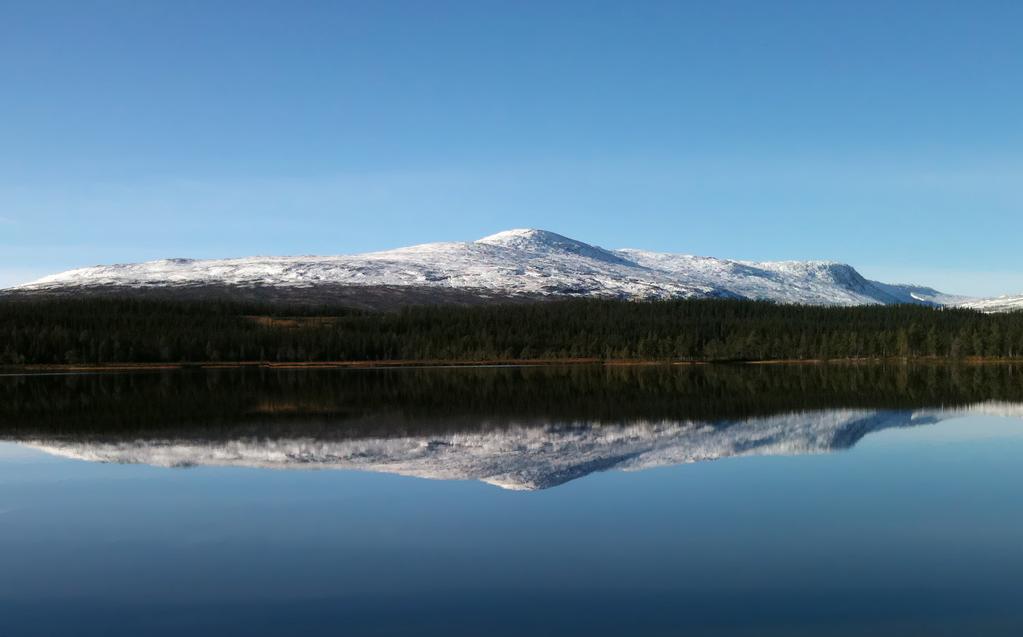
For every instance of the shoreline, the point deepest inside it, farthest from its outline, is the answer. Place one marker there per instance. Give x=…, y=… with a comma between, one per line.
x=441, y=363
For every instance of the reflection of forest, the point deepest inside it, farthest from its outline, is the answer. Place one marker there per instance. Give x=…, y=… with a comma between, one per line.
x=404, y=401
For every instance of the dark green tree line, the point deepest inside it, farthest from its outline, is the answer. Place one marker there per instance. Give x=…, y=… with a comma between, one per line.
x=58, y=331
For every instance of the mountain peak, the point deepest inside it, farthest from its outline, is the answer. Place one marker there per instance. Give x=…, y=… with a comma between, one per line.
x=545, y=241
x=526, y=236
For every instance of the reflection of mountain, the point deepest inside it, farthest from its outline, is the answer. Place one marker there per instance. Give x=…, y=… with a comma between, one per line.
x=523, y=457
x=524, y=428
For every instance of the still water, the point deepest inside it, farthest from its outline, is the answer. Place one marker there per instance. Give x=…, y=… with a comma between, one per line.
x=545, y=501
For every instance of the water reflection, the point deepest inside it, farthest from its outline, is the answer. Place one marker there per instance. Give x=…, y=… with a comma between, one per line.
x=520, y=429
x=915, y=531
x=521, y=457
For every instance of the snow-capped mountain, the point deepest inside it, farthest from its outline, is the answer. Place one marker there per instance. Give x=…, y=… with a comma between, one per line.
x=529, y=456
x=515, y=263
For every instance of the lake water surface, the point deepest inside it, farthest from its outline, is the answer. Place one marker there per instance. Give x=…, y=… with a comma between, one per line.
x=713, y=500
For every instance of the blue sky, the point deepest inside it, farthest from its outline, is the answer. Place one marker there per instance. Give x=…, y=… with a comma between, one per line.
x=887, y=135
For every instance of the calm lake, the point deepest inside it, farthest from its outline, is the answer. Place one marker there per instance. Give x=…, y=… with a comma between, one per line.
x=713, y=500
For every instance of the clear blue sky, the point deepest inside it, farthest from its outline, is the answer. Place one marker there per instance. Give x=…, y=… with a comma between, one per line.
x=885, y=134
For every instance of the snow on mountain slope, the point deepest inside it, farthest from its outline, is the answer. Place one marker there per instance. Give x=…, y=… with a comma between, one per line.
x=814, y=282
x=517, y=262
x=998, y=304
x=528, y=457
x=922, y=294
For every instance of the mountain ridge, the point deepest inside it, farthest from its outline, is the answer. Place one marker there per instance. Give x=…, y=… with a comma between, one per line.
x=522, y=263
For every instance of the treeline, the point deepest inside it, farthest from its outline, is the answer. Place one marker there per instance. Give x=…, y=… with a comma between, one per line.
x=57, y=331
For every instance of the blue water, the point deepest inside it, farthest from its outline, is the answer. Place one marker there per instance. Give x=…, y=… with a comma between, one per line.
x=912, y=531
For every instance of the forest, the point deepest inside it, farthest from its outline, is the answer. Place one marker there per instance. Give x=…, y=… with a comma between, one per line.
x=107, y=330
